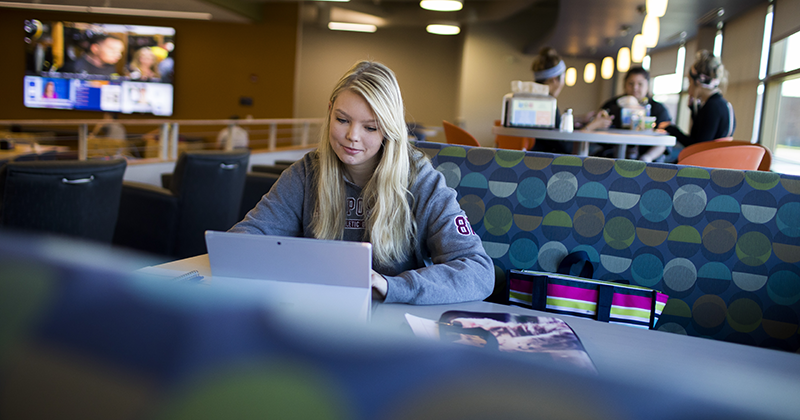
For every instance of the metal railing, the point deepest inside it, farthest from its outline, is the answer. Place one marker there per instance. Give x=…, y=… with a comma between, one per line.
x=163, y=141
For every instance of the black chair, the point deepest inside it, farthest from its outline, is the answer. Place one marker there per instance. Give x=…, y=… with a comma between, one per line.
x=256, y=185
x=204, y=193
x=277, y=168
x=73, y=198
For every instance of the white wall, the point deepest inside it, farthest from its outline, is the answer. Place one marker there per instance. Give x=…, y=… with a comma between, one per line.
x=427, y=68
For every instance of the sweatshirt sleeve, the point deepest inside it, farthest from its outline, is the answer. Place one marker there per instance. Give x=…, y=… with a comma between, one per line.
x=280, y=212
x=459, y=269
x=680, y=137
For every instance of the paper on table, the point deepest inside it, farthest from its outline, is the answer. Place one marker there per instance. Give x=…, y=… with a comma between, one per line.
x=422, y=327
x=169, y=274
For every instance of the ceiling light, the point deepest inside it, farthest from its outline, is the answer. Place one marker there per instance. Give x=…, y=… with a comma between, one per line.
x=589, y=72
x=443, y=29
x=650, y=31
x=638, y=49
x=624, y=60
x=339, y=14
x=607, y=68
x=108, y=10
x=657, y=8
x=352, y=27
x=442, y=5
x=571, y=76
x=646, y=63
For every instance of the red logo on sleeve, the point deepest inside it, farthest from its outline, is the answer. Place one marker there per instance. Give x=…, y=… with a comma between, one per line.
x=462, y=226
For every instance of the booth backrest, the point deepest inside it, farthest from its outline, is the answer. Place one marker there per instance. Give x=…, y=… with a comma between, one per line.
x=723, y=244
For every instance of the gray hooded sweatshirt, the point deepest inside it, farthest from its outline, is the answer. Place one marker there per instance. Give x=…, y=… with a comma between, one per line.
x=448, y=263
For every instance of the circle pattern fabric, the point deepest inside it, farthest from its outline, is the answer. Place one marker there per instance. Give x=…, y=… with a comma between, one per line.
x=723, y=244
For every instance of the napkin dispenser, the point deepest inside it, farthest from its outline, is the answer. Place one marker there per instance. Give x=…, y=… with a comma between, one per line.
x=529, y=110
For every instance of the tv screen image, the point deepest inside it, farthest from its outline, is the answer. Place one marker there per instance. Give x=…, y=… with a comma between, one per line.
x=99, y=67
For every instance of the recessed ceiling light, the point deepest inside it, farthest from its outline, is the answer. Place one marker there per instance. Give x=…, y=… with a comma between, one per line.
x=352, y=27
x=440, y=29
x=441, y=5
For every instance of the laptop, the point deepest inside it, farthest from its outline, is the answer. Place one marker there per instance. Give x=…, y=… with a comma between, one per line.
x=305, y=277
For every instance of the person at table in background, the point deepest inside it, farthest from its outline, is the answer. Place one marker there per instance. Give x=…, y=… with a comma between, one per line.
x=236, y=134
x=111, y=129
x=548, y=69
x=637, y=86
x=101, y=58
x=366, y=182
x=712, y=115
x=144, y=65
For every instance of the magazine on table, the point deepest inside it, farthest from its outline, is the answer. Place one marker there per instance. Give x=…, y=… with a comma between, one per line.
x=547, y=339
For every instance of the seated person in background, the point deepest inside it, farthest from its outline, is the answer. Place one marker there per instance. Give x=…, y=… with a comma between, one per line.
x=110, y=130
x=637, y=87
x=366, y=182
x=143, y=66
x=548, y=69
x=238, y=136
x=101, y=58
x=712, y=115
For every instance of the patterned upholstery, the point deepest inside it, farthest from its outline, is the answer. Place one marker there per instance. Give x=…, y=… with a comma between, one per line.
x=723, y=244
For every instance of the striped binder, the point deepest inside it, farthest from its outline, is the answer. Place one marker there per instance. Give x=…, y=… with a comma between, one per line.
x=596, y=299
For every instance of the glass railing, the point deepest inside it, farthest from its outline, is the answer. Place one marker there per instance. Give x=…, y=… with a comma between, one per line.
x=149, y=139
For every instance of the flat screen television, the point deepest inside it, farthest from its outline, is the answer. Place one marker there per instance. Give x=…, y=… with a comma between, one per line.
x=99, y=67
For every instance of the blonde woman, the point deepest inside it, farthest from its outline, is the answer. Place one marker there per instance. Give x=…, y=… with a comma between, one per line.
x=144, y=65
x=712, y=115
x=366, y=182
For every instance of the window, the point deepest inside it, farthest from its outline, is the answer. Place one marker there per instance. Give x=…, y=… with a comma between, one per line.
x=781, y=127
x=667, y=88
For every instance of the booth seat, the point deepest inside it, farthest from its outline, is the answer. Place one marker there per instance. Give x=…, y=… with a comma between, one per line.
x=723, y=244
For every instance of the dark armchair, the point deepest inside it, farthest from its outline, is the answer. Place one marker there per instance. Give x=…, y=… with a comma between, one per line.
x=73, y=198
x=204, y=193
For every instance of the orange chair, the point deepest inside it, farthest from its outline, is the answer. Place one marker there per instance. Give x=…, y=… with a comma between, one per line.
x=766, y=161
x=743, y=157
x=512, y=142
x=457, y=135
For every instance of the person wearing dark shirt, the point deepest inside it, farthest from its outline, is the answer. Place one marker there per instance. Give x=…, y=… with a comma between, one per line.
x=637, y=86
x=712, y=115
x=101, y=58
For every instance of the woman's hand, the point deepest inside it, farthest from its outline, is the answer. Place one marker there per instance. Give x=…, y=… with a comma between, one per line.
x=379, y=285
x=601, y=121
x=662, y=127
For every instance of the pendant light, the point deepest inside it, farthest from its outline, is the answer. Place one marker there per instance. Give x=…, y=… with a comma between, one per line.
x=571, y=76
x=656, y=7
x=638, y=49
x=624, y=60
x=650, y=31
x=607, y=68
x=589, y=72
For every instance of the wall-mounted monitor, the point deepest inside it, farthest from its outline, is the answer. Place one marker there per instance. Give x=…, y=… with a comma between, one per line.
x=99, y=67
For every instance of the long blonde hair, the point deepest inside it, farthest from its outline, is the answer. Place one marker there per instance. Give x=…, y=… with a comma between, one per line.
x=390, y=224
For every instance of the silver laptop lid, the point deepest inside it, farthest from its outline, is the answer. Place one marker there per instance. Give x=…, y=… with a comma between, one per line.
x=288, y=259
